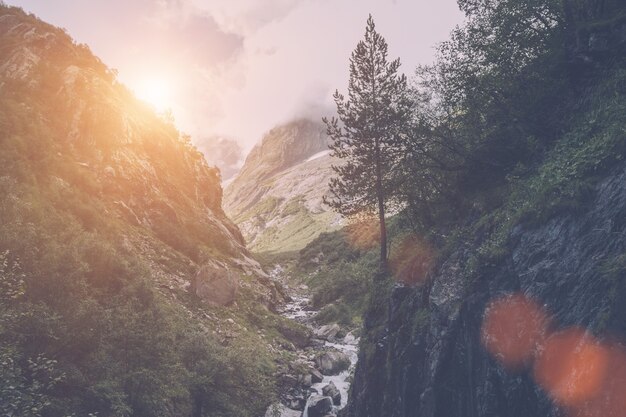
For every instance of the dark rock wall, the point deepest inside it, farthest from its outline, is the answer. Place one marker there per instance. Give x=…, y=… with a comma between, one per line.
x=425, y=357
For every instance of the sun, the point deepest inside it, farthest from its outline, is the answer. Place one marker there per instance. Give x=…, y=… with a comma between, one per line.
x=156, y=91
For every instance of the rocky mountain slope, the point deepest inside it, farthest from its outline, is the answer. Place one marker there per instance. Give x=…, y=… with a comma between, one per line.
x=520, y=311
x=122, y=279
x=426, y=357
x=276, y=199
x=92, y=138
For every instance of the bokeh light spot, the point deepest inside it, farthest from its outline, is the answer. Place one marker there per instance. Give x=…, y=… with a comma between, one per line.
x=363, y=233
x=512, y=328
x=571, y=367
x=610, y=400
x=411, y=260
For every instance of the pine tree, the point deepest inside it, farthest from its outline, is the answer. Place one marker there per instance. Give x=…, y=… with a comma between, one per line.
x=368, y=134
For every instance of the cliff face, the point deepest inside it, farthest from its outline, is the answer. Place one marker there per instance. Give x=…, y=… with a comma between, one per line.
x=426, y=350
x=426, y=357
x=556, y=240
x=276, y=199
x=84, y=137
x=122, y=280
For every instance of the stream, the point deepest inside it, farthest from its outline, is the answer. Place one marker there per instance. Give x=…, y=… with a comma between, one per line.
x=298, y=309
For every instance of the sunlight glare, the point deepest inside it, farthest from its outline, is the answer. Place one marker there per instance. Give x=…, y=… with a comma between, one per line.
x=155, y=91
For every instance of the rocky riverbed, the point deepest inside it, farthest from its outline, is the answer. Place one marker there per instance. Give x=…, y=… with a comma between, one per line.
x=326, y=366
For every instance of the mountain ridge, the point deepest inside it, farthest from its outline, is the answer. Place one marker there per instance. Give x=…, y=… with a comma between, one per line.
x=277, y=197
x=128, y=289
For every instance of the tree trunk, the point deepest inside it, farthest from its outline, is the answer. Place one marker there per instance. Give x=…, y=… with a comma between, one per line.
x=381, y=213
x=383, y=234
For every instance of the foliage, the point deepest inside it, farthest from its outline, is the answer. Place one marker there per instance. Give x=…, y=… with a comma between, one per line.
x=339, y=275
x=104, y=207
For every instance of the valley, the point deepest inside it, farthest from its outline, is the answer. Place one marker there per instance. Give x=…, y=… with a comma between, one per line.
x=330, y=360
x=449, y=244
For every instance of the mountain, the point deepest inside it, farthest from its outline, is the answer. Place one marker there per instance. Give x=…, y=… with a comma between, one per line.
x=429, y=341
x=515, y=305
x=276, y=199
x=124, y=288
x=221, y=152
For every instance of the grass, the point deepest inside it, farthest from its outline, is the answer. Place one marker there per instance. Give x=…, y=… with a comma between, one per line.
x=564, y=181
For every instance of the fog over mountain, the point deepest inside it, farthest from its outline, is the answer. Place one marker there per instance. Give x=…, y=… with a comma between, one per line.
x=231, y=65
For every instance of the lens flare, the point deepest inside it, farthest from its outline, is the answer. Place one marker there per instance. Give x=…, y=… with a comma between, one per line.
x=156, y=91
x=611, y=398
x=411, y=260
x=512, y=329
x=571, y=367
x=363, y=233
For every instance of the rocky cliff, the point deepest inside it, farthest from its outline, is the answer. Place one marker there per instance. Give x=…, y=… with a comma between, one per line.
x=427, y=358
x=124, y=288
x=276, y=199
x=522, y=313
x=88, y=136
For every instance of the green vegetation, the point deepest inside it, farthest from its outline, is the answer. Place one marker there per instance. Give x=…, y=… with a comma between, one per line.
x=107, y=212
x=338, y=267
x=516, y=122
x=295, y=226
x=375, y=120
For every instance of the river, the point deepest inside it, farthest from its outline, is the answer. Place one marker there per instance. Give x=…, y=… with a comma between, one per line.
x=298, y=309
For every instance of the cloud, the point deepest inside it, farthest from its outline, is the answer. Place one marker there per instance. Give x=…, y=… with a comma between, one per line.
x=224, y=153
x=247, y=16
x=183, y=29
x=239, y=67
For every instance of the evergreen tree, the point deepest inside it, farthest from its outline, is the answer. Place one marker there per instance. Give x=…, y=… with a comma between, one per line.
x=369, y=134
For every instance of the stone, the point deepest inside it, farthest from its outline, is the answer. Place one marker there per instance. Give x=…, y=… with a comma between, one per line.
x=306, y=380
x=316, y=343
x=300, y=336
x=286, y=380
x=332, y=391
x=297, y=403
x=318, y=406
x=316, y=376
x=332, y=362
x=215, y=285
x=350, y=339
x=327, y=332
x=280, y=410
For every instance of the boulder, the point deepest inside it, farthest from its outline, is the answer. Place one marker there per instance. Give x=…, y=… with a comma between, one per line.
x=279, y=410
x=316, y=376
x=316, y=343
x=327, y=332
x=332, y=362
x=318, y=406
x=297, y=404
x=306, y=380
x=297, y=334
x=215, y=285
x=332, y=391
x=351, y=339
x=288, y=381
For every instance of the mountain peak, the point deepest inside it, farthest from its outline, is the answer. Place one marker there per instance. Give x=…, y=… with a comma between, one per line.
x=285, y=146
x=277, y=197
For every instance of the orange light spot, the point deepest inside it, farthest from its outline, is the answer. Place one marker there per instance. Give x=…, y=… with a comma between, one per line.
x=512, y=328
x=571, y=367
x=411, y=260
x=610, y=400
x=363, y=234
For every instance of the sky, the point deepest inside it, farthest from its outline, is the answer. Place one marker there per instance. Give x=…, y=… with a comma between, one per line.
x=233, y=69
